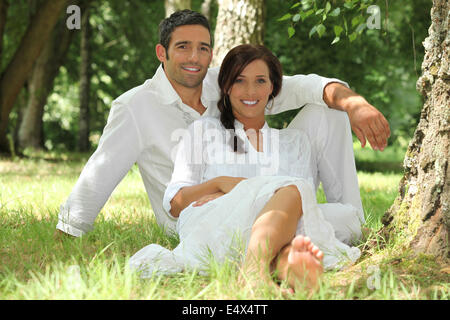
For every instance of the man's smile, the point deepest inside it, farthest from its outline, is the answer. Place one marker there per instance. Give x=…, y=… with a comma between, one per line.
x=191, y=69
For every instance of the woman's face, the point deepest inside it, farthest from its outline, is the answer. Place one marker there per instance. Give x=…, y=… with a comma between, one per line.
x=250, y=92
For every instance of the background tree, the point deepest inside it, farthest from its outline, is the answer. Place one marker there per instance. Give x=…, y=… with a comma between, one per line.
x=85, y=81
x=40, y=85
x=4, y=4
x=238, y=22
x=422, y=209
x=381, y=65
x=17, y=71
x=420, y=214
x=206, y=8
x=123, y=36
x=174, y=5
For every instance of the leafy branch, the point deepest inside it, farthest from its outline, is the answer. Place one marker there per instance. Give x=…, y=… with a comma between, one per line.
x=345, y=18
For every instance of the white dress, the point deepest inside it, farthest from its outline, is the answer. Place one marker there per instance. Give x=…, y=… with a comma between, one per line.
x=221, y=228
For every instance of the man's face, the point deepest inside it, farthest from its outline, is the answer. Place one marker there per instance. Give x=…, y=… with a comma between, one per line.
x=188, y=56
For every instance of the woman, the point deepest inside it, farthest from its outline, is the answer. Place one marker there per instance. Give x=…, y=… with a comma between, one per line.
x=237, y=181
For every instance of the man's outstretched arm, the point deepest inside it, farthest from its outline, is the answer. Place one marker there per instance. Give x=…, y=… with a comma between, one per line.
x=366, y=121
x=118, y=150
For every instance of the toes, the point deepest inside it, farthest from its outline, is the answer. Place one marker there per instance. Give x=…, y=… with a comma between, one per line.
x=319, y=255
x=302, y=244
x=317, y=252
x=307, y=241
x=298, y=243
x=292, y=256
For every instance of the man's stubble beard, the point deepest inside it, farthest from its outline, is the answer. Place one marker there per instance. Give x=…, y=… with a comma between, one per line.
x=190, y=81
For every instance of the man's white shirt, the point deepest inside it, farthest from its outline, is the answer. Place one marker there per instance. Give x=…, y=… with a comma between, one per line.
x=144, y=127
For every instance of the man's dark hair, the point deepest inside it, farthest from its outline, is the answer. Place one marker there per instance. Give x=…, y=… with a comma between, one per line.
x=178, y=19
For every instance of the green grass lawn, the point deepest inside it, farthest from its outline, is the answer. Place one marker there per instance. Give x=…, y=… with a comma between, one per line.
x=35, y=265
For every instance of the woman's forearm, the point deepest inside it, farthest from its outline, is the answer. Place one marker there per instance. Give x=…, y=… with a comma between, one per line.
x=186, y=195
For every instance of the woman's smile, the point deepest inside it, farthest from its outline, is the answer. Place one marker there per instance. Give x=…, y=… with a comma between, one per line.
x=250, y=93
x=250, y=103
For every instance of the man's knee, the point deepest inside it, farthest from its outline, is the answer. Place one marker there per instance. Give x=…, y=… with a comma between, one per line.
x=311, y=115
x=338, y=121
x=319, y=117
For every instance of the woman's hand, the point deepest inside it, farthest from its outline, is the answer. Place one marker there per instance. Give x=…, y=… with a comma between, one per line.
x=207, y=198
x=226, y=184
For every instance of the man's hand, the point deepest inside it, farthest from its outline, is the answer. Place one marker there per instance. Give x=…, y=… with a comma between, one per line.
x=366, y=121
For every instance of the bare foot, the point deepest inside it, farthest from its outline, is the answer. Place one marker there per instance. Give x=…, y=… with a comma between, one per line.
x=304, y=264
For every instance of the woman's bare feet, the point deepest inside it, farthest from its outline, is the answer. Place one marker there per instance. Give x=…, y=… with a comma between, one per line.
x=300, y=263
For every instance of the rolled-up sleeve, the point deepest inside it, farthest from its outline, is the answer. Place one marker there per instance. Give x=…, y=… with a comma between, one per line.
x=299, y=90
x=118, y=149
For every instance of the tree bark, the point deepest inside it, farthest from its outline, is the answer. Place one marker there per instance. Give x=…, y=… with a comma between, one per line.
x=175, y=5
x=421, y=211
x=85, y=83
x=206, y=9
x=44, y=72
x=20, y=66
x=238, y=22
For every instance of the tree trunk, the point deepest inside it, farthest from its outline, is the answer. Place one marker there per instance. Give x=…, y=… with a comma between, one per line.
x=85, y=81
x=40, y=85
x=20, y=66
x=421, y=212
x=206, y=9
x=238, y=22
x=175, y=5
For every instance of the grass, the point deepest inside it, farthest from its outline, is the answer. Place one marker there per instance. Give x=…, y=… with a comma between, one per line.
x=35, y=265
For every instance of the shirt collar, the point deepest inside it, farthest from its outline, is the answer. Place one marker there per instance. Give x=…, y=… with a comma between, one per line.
x=168, y=95
x=239, y=125
x=239, y=129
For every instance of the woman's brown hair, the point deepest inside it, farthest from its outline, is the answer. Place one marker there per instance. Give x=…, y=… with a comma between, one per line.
x=233, y=64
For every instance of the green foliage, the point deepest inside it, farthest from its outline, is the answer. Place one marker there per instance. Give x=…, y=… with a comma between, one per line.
x=123, y=38
x=16, y=24
x=331, y=15
x=382, y=65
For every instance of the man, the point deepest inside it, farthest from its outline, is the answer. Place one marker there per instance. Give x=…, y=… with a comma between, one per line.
x=143, y=121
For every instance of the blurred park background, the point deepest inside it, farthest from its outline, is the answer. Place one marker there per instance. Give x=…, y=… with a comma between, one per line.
x=58, y=112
